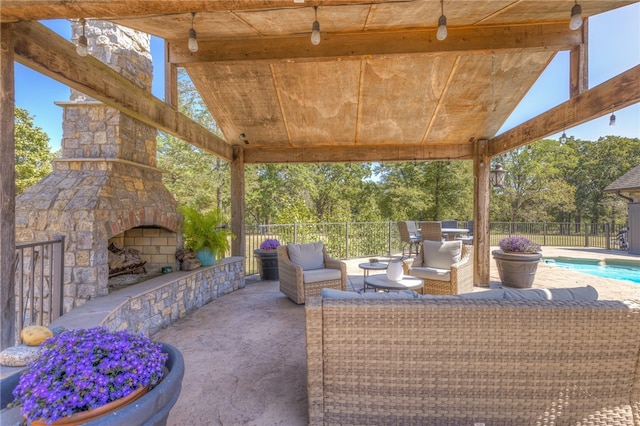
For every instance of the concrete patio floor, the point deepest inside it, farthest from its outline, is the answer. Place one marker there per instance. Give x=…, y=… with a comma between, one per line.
x=245, y=352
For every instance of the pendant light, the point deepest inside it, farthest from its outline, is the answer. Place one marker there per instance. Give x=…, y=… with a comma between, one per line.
x=442, y=23
x=193, y=40
x=576, y=16
x=315, y=29
x=82, y=48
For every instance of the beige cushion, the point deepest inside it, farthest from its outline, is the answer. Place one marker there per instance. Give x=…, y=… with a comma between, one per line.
x=308, y=256
x=431, y=273
x=441, y=255
x=316, y=275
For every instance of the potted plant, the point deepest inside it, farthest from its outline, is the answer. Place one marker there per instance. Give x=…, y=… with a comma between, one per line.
x=206, y=234
x=517, y=261
x=83, y=375
x=267, y=259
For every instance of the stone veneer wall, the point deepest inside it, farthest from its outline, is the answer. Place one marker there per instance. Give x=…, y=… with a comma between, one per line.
x=155, y=304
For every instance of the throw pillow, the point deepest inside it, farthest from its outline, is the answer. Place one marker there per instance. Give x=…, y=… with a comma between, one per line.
x=309, y=256
x=441, y=255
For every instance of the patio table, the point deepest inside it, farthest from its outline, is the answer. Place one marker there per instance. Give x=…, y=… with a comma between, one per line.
x=381, y=282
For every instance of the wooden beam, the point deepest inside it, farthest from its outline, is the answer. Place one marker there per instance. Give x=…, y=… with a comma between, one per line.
x=579, y=64
x=481, y=209
x=238, y=246
x=619, y=92
x=39, y=48
x=337, y=154
x=548, y=37
x=7, y=190
x=29, y=10
x=170, y=79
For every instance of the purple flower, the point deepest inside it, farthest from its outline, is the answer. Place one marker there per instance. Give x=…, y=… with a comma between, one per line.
x=270, y=244
x=79, y=370
x=518, y=245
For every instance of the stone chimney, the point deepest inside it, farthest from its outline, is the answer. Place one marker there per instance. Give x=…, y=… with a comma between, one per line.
x=105, y=187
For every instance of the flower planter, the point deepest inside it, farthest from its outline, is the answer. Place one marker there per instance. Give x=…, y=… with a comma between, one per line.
x=517, y=270
x=151, y=408
x=206, y=257
x=267, y=261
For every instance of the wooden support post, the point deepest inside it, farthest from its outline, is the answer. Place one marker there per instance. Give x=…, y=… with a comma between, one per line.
x=579, y=65
x=170, y=79
x=238, y=246
x=481, y=206
x=7, y=190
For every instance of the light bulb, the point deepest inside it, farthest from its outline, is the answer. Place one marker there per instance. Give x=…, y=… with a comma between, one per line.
x=576, y=17
x=315, y=33
x=81, y=48
x=612, y=120
x=193, y=41
x=442, y=28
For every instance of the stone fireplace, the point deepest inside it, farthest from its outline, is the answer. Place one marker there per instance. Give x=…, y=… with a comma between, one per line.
x=105, y=187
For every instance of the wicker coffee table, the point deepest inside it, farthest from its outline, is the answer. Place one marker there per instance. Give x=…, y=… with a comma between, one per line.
x=381, y=282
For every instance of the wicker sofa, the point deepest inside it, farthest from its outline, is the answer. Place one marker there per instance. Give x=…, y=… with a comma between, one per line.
x=464, y=361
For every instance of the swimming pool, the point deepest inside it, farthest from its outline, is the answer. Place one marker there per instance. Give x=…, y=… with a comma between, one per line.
x=617, y=269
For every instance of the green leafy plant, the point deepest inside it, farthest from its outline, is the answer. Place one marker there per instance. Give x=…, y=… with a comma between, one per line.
x=206, y=230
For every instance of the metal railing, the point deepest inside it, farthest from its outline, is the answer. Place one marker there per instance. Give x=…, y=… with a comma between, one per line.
x=39, y=278
x=347, y=240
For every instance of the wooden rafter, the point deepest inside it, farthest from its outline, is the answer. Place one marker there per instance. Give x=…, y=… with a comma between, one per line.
x=44, y=51
x=546, y=37
x=347, y=154
x=619, y=92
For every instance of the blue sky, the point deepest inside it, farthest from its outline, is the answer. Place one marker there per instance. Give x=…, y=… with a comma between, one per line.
x=614, y=46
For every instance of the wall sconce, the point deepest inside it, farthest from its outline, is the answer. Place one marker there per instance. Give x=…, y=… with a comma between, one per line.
x=193, y=40
x=576, y=16
x=563, y=138
x=442, y=23
x=82, y=48
x=315, y=29
x=497, y=176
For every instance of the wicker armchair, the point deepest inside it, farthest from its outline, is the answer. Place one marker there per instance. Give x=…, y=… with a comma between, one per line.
x=457, y=279
x=431, y=230
x=299, y=281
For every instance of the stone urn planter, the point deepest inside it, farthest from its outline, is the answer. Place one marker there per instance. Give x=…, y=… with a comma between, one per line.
x=267, y=261
x=517, y=270
x=152, y=408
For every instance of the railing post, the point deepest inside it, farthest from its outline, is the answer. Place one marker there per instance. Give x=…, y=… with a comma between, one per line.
x=389, y=251
x=346, y=239
x=57, y=275
x=544, y=233
x=607, y=236
x=586, y=235
x=295, y=233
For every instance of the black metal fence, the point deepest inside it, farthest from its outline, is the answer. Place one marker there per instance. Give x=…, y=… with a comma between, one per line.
x=346, y=240
x=39, y=272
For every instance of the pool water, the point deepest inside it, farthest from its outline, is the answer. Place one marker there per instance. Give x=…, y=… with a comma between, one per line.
x=617, y=269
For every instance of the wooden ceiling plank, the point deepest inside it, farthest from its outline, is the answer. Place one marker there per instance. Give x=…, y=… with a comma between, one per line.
x=278, y=90
x=359, y=154
x=579, y=64
x=39, y=48
x=29, y=10
x=379, y=43
x=440, y=100
x=619, y=92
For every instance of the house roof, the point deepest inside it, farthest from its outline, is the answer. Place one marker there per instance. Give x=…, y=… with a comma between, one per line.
x=629, y=181
x=379, y=86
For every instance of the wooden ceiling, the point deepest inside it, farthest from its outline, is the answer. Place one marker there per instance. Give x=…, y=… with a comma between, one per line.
x=378, y=86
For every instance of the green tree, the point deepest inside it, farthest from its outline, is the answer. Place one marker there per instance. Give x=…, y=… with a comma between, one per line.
x=535, y=188
x=197, y=178
x=33, y=154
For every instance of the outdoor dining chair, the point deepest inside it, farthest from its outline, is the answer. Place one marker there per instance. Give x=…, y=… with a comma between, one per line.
x=431, y=230
x=409, y=235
